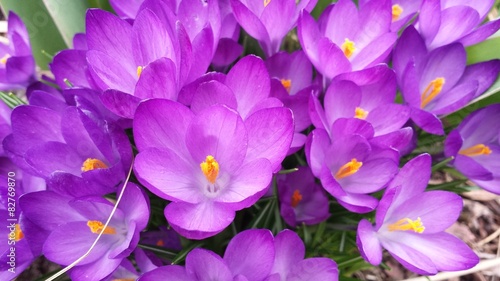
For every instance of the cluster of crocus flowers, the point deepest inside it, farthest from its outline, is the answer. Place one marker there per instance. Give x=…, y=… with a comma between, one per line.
x=142, y=128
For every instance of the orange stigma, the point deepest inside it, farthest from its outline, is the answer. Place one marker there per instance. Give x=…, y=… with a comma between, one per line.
x=287, y=83
x=360, y=113
x=476, y=150
x=432, y=90
x=97, y=226
x=266, y=2
x=348, y=169
x=348, y=48
x=396, y=12
x=4, y=59
x=296, y=198
x=139, y=71
x=18, y=233
x=160, y=243
x=210, y=168
x=407, y=224
x=92, y=164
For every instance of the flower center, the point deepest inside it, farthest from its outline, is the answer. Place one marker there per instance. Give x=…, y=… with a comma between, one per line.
x=210, y=168
x=266, y=2
x=97, y=226
x=348, y=48
x=476, y=150
x=396, y=12
x=17, y=234
x=360, y=113
x=160, y=243
x=139, y=71
x=4, y=59
x=92, y=164
x=296, y=198
x=348, y=169
x=432, y=90
x=287, y=83
x=407, y=224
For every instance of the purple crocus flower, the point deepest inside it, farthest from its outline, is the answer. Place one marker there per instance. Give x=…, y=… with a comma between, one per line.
x=292, y=84
x=74, y=153
x=17, y=65
x=438, y=82
x=367, y=95
x=348, y=166
x=67, y=227
x=210, y=164
x=253, y=255
x=442, y=22
x=475, y=147
x=345, y=39
x=410, y=224
x=269, y=21
x=302, y=199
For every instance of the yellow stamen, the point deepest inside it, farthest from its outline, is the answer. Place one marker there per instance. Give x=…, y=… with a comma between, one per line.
x=348, y=169
x=266, y=2
x=296, y=198
x=4, y=59
x=92, y=164
x=19, y=234
x=396, y=12
x=160, y=243
x=432, y=90
x=407, y=224
x=210, y=168
x=348, y=47
x=139, y=71
x=476, y=150
x=97, y=226
x=287, y=83
x=360, y=113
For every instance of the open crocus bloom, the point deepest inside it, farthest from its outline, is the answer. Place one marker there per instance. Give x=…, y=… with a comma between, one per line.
x=410, y=224
x=438, y=82
x=252, y=255
x=475, y=146
x=67, y=227
x=210, y=164
x=347, y=39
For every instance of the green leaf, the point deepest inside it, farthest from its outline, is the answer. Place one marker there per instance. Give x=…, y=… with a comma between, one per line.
x=485, y=50
x=51, y=24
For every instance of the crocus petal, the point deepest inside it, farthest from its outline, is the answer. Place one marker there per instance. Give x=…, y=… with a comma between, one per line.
x=456, y=22
x=429, y=18
x=368, y=243
x=109, y=73
x=398, y=140
x=375, y=52
x=316, y=146
x=168, y=175
x=343, y=21
x=427, y=121
x=341, y=100
x=97, y=270
x=54, y=156
x=348, y=126
x=249, y=80
x=485, y=73
x=120, y=103
x=210, y=93
x=198, y=221
x=410, y=47
x=388, y=118
x=309, y=35
x=481, y=33
x=157, y=80
x=314, y=269
x=174, y=273
x=205, y=266
x=162, y=124
x=202, y=51
x=331, y=59
x=270, y=133
x=249, y=21
x=251, y=254
x=290, y=250
x=471, y=168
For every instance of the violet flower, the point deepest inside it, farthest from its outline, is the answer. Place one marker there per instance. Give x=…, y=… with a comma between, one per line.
x=292, y=84
x=67, y=227
x=210, y=164
x=475, y=147
x=269, y=21
x=73, y=152
x=17, y=65
x=302, y=200
x=410, y=223
x=348, y=166
x=367, y=95
x=228, y=49
x=442, y=22
x=253, y=255
x=345, y=39
x=438, y=82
